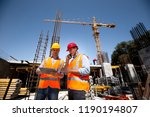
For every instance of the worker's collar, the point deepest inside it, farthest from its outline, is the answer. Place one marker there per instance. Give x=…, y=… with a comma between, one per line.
x=56, y=58
x=75, y=55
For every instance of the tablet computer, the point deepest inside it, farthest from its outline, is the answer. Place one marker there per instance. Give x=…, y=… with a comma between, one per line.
x=47, y=70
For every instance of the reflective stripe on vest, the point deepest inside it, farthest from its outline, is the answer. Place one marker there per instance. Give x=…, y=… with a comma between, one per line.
x=49, y=79
x=78, y=79
x=74, y=81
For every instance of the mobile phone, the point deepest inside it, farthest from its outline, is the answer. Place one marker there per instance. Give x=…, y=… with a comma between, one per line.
x=70, y=56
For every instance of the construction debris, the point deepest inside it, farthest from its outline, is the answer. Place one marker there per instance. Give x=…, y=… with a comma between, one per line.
x=121, y=97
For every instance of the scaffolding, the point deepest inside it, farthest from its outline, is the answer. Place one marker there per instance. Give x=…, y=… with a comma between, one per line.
x=32, y=80
x=56, y=32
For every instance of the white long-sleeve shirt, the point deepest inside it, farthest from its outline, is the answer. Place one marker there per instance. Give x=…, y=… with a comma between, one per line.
x=85, y=70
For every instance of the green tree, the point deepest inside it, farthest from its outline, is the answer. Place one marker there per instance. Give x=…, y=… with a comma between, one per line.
x=121, y=53
x=126, y=52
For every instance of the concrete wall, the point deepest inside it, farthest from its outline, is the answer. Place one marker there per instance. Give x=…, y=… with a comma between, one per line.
x=4, y=68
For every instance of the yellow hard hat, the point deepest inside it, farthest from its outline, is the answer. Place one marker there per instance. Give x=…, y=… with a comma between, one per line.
x=55, y=46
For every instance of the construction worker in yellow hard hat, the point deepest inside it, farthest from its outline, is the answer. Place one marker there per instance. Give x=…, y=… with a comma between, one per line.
x=49, y=83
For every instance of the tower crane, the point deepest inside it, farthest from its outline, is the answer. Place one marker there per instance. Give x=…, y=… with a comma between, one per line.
x=96, y=33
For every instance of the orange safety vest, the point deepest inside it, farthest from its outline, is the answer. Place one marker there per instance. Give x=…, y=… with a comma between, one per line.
x=74, y=81
x=49, y=79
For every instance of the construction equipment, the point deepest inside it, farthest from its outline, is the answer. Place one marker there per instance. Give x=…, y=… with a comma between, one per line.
x=96, y=33
x=100, y=89
x=117, y=73
x=104, y=83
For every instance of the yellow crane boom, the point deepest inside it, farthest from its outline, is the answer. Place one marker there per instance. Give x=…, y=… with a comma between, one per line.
x=95, y=26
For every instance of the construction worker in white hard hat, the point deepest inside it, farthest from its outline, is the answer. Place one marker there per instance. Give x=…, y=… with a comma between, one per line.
x=49, y=83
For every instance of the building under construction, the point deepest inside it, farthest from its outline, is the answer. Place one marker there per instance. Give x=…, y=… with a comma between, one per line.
x=18, y=79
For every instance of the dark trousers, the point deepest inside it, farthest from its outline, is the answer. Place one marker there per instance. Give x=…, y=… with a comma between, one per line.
x=47, y=93
x=76, y=94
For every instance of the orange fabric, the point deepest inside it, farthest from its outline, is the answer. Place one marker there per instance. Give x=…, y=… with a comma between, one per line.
x=53, y=80
x=77, y=82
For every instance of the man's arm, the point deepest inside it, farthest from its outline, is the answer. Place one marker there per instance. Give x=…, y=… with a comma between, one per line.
x=38, y=71
x=85, y=70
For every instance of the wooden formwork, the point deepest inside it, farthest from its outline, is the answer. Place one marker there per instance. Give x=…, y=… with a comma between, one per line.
x=13, y=89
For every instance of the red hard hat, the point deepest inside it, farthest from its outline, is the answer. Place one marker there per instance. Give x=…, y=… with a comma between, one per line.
x=94, y=59
x=71, y=45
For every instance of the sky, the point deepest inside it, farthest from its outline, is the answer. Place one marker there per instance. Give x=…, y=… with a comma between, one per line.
x=21, y=22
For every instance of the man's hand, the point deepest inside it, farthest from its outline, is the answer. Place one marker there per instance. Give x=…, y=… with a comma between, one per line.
x=38, y=71
x=68, y=57
x=74, y=71
x=64, y=69
x=60, y=75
